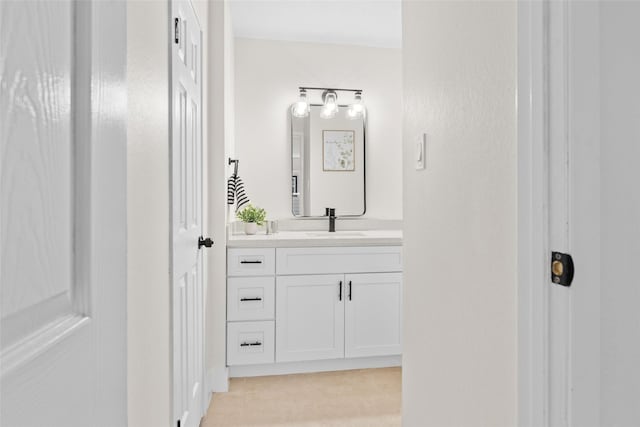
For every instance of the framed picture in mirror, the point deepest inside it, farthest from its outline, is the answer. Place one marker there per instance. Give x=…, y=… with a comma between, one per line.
x=338, y=151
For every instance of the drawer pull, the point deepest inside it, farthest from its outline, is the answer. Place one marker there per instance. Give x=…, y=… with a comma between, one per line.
x=251, y=299
x=250, y=262
x=252, y=344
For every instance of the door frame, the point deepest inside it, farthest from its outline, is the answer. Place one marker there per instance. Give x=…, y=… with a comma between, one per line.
x=558, y=337
x=533, y=207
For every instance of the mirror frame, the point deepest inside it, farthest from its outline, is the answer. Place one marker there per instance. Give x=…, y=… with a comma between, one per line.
x=364, y=166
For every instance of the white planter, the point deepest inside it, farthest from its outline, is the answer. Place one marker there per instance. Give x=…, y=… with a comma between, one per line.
x=250, y=228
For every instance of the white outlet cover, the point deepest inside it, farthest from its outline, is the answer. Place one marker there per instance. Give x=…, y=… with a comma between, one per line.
x=421, y=152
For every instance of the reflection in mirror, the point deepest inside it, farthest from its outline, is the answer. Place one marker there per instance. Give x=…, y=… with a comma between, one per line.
x=328, y=163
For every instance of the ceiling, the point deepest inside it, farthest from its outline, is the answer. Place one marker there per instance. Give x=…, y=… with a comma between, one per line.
x=375, y=23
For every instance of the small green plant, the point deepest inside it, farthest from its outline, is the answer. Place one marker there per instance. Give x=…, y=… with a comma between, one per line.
x=252, y=214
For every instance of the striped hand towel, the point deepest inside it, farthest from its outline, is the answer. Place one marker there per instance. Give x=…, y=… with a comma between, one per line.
x=236, y=193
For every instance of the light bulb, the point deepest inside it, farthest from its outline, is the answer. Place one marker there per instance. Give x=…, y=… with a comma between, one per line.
x=330, y=107
x=356, y=110
x=301, y=107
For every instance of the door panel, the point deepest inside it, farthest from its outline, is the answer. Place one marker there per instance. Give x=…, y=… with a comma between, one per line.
x=62, y=213
x=309, y=317
x=188, y=293
x=37, y=175
x=373, y=314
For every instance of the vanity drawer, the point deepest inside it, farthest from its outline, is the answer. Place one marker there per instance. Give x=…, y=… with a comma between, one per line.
x=250, y=298
x=251, y=262
x=339, y=260
x=250, y=343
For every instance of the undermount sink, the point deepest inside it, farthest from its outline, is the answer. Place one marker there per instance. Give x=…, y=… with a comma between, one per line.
x=337, y=234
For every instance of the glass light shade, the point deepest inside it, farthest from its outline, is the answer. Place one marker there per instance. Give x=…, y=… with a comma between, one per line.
x=356, y=110
x=301, y=108
x=330, y=107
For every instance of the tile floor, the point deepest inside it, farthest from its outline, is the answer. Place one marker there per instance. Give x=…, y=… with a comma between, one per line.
x=360, y=398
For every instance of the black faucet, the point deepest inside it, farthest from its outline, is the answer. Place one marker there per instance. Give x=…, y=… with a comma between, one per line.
x=331, y=213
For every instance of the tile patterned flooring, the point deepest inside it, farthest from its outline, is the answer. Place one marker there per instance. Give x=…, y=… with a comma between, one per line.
x=360, y=398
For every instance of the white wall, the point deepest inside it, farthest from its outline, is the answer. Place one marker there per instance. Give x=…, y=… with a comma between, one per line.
x=149, y=286
x=149, y=340
x=268, y=74
x=459, y=76
x=620, y=213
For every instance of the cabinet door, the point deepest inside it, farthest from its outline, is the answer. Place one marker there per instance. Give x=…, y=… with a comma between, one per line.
x=373, y=314
x=309, y=317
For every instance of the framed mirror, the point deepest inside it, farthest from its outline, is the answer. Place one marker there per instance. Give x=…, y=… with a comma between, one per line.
x=328, y=163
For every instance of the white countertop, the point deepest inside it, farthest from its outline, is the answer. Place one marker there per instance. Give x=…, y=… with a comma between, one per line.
x=317, y=238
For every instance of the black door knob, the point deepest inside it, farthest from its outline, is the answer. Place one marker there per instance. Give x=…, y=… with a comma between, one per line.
x=204, y=242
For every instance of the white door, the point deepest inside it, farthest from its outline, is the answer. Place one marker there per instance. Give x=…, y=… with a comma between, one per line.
x=63, y=214
x=186, y=169
x=309, y=317
x=373, y=314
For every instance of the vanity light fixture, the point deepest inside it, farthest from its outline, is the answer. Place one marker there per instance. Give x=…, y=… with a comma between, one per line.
x=356, y=110
x=301, y=108
x=330, y=108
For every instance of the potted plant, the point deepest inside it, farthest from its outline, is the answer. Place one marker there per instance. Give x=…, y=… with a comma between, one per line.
x=252, y=217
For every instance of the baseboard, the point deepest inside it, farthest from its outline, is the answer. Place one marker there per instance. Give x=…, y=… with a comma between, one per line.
x=314, y=366
x=218, y=380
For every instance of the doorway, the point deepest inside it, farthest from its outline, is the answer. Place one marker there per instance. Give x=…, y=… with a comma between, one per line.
x=267, y=74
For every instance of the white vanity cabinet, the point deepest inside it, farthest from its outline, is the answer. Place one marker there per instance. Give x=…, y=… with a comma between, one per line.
x=333, y=316
x=313, y=304
x=309, y=317
x=373, y=314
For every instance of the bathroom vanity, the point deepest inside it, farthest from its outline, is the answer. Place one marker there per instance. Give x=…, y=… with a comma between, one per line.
x=302, y=300
x=312, y=301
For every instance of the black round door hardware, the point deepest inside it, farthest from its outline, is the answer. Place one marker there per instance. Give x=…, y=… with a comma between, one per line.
x=204, y=242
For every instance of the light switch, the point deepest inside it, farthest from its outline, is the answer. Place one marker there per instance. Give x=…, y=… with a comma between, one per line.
x=421, y=152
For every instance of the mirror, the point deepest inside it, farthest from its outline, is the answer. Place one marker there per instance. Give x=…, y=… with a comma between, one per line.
x=327, y=164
